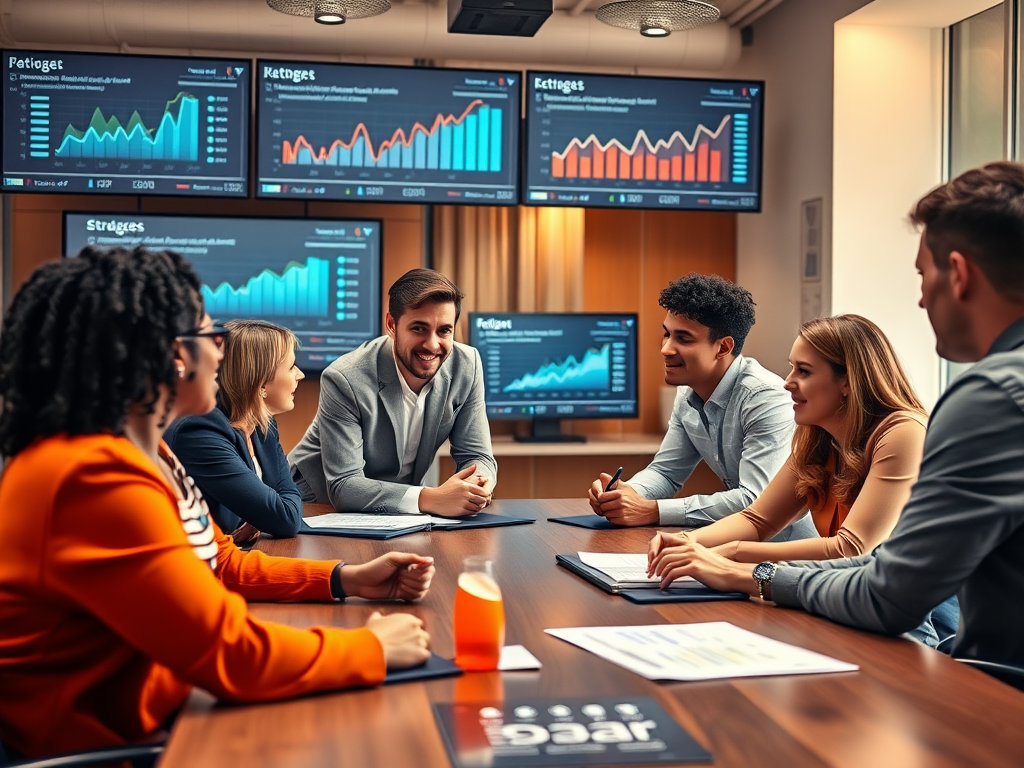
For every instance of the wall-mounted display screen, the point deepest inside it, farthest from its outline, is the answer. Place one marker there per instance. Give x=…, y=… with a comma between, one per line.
x=349, y=132
x=98, y=123
x=551, y=366
x=611, y=141
x=321, y=278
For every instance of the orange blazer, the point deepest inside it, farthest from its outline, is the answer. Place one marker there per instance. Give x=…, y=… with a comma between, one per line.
x=108, y=617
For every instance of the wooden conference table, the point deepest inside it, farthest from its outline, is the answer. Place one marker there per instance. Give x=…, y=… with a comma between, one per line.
x=907, y=706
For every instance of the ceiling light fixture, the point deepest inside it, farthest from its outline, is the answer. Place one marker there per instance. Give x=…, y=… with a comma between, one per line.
x=331, y=12
x=648, y=30
x=658, y=18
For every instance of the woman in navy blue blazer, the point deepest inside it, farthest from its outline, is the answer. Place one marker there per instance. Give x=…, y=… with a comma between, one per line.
x=233, y=453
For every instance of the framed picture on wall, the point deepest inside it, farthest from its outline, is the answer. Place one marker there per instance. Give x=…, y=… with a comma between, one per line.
x=811, y=305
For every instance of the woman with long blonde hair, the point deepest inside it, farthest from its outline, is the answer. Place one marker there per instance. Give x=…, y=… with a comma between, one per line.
x=233, y=453
x=856, y=453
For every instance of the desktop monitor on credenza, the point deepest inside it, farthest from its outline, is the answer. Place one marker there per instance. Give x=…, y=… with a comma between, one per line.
x=546, y=367
x=320, y=278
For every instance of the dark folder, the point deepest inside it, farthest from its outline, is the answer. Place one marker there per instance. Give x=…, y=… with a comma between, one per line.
x=485, y=520
x=594, y=522
x=433, y=667
x=680, y=593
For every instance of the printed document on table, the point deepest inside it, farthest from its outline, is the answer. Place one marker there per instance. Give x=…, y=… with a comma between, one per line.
x=708, y=651
x=629, y=568
x=366, y=522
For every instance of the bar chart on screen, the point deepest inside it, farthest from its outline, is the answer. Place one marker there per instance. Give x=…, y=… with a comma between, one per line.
x=301, y=289
x=175, y=138
x=471, y=141
x=704, y=157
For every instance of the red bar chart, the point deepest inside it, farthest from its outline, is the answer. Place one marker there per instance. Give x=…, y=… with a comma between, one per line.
x=702, y=157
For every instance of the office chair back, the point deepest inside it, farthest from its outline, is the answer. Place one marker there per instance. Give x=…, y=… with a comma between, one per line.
x=1007, y=673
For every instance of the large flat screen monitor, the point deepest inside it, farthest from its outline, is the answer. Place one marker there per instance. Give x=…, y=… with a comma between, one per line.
x=399, y=134
x=130, y=125
x=642, y=142
x=320, y=278
x=548, y=367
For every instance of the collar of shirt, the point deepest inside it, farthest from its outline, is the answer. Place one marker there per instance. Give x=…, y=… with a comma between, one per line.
x=410, y=431
x=410, y=397
x=723, y=392
x=1011, y=338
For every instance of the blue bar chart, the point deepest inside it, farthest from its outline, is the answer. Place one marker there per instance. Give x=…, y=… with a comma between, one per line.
x=300, y=290
x=468, y=142
x=176, y=138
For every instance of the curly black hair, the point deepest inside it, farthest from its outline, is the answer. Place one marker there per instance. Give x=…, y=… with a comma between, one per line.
x=724, y=307
x=87, y=337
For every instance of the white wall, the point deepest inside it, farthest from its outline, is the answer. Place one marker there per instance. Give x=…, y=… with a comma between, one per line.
x=793, y=53
x=887, y=153
x=853, y=115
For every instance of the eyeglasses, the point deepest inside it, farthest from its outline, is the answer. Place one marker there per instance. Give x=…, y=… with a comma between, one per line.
x=216, y=332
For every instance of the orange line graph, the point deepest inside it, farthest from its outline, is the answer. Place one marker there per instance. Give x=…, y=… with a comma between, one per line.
x=642, y=136
x=674, y=159
x=290, y=150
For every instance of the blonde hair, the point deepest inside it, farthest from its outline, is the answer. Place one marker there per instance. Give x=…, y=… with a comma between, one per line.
x=856, y=348
x=253, y=350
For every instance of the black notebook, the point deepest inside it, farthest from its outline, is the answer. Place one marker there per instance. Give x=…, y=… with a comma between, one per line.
x=433, y=667
x=682, y=591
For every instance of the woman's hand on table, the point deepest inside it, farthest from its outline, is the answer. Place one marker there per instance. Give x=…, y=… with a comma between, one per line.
x=404, y=640
x=394, y=576
x=688, y=558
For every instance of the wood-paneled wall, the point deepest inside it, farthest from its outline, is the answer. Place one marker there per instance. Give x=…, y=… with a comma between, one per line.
x=629, y=256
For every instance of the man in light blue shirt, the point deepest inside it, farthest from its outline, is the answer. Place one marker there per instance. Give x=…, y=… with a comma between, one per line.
x=729, y=412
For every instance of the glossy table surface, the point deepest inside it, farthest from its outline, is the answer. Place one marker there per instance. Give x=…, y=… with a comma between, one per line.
x=907, y=706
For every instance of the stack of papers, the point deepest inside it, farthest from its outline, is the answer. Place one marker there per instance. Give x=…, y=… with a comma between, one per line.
x=707, y=651
x=366, y=522
x=629, y=571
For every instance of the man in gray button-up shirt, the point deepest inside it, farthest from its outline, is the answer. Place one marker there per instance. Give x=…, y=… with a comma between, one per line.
x=729, y=412
x=962, y=530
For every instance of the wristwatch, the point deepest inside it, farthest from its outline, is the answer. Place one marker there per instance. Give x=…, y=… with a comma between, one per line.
x=763, y=575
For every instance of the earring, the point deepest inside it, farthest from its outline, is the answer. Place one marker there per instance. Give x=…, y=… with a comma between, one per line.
x=263, y=392
x=181, y=373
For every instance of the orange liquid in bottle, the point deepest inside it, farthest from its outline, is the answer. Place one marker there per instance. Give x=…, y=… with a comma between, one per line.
x=479, y=622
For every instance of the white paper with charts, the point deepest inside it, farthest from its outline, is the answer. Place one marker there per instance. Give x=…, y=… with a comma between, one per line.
x=628, y=569
x=708, y=651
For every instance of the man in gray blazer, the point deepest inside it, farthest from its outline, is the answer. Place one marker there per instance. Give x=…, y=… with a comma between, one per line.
x=386, y=407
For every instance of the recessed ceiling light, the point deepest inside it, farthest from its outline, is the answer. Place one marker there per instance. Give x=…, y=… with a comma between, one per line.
x=654, y=31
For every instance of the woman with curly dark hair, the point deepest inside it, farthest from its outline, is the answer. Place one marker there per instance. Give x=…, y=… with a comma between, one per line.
x=118, y=592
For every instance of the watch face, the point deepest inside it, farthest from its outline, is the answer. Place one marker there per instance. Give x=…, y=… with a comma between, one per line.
x=763, y=571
